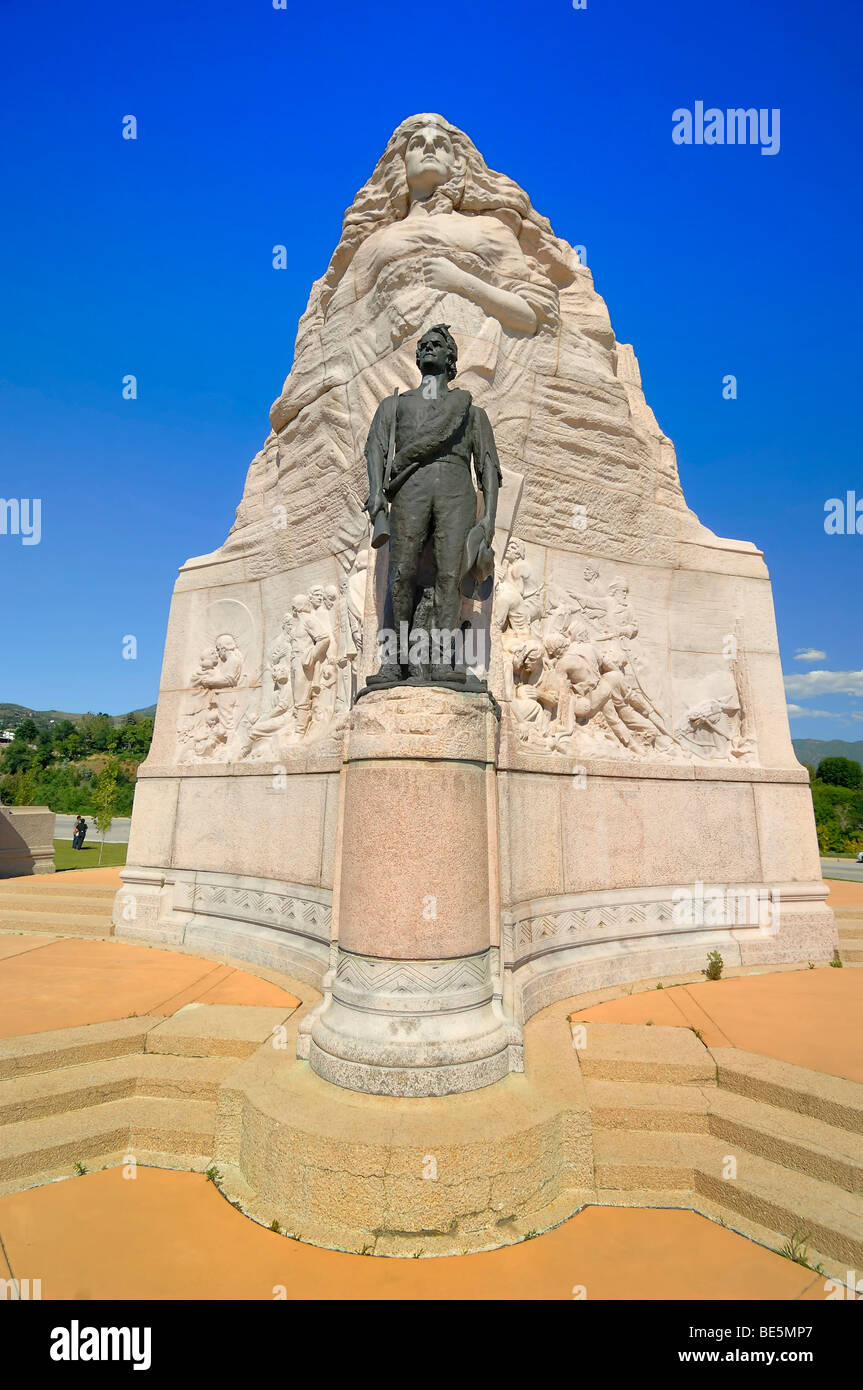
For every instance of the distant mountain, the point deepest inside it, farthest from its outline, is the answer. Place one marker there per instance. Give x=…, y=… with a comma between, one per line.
x=812, y=750
x=12, y=715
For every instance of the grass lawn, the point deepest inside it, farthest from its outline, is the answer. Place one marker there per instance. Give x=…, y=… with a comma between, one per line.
x=65, y=857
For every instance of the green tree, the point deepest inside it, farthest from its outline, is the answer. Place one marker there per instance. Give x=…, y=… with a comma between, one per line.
x=60, y=732
x=840, y=772
x=44, y=748
x=137, y=739
x=27, y=732
x=18, y=757
x=72, y=745
x=838, y=818
x=20, y=788
x=104, y=799
x=95, y=730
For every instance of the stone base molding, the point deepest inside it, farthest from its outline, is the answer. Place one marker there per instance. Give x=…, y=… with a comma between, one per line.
x=280, y=926
x=572, y=944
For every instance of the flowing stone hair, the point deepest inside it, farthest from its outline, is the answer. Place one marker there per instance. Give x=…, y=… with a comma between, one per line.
x=474, y=189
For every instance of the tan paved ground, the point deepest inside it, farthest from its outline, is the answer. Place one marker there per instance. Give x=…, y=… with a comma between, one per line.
x=46, y=983
x=808, y=1017
x=14, y=945
x=171, y=1235
x=844, y=893
x=109, y=876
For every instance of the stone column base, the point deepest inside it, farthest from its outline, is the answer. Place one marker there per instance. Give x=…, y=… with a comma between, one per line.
x=413, y=999
x=412, y=1027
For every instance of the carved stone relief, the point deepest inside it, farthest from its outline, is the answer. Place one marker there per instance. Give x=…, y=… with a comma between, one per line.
x=573, y=674
x=310, y=677
x=312, y=668
x=213, y=711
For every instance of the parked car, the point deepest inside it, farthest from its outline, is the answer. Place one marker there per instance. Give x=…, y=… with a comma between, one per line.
x=860, y=857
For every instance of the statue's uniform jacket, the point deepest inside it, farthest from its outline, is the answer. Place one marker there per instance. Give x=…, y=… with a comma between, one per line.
x=437, y=496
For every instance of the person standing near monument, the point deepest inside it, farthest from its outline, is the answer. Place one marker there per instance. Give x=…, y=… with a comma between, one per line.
x=419, y=453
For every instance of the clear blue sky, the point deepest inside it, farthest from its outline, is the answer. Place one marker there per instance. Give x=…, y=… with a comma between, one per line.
x=256, y=127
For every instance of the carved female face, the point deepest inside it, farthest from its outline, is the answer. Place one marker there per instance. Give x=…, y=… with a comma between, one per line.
x=430, y=160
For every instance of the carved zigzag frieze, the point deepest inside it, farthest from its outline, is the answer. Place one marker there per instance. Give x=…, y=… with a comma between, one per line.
x=412, y=977
x=264, y=908
x=594, y=922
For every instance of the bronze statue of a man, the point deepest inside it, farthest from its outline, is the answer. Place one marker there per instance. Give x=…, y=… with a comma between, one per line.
x=422, y=498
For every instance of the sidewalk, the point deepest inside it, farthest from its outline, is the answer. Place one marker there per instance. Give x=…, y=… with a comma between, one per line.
x=168, y=1235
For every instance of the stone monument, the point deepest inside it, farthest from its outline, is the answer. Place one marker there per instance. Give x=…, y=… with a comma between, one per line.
x=590, y=781
x=26, y=841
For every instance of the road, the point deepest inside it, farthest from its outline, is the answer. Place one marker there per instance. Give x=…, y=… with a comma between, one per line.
x=118, y=834
x=842, y=868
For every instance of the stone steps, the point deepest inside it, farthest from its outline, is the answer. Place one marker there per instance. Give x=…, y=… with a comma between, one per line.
x=822, y=1151
x=83, y=902
x=92, y=1095
x=44, y=923
x=67, y=1047
x=669, y=1116
x=832, y=1099
x=782, y=1199
x=644, y=1105
x=851, y=941
x=621, y=1052
x=219, y=1033
x=767, y=1193
x=648, y=1159
x=38, y=1094
x=55, y=905
x=31, y=1149
x=145, y=1086
x=61, y=884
